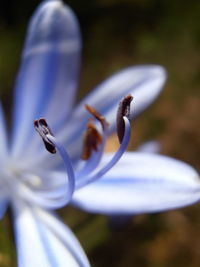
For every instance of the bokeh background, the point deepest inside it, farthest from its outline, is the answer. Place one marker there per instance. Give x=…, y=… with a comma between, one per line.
x=116, y=34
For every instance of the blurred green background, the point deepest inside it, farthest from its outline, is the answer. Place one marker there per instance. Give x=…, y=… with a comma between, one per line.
x=116, y=34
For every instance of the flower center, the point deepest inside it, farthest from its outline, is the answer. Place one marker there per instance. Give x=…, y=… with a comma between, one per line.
x=22, y=176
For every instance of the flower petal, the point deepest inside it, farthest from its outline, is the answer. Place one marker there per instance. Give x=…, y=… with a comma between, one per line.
x=47, y=79
x=143, y=82
x=43, y=241
x=150, y=147
x=140, y=183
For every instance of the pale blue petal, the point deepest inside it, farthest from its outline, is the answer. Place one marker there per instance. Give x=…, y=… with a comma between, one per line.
x=65, y=235
x=140, y=183
x=43, y=241
x=144, y=82
x=47, y=80
x=150, y=147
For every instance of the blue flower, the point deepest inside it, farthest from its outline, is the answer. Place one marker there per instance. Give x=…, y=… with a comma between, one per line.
x=35, y=182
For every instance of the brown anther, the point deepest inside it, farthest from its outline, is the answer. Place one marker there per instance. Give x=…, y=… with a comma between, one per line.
x=123, y=111
x=43, y=129
x=98, y=116
x=91, y=141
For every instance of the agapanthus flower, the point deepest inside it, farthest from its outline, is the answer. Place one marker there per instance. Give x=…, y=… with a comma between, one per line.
x=35, y=182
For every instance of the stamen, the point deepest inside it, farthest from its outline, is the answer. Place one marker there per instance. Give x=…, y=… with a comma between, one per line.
x=67, y=162
x=123, y=111
x=93, y=138
x=82, y=181
x=91, y=141
x=124, y=130
x=92, y=155
x=43, y=129
x=98, y=116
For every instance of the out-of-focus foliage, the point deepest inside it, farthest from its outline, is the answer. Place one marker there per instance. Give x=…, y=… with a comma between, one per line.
x=118, y=33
